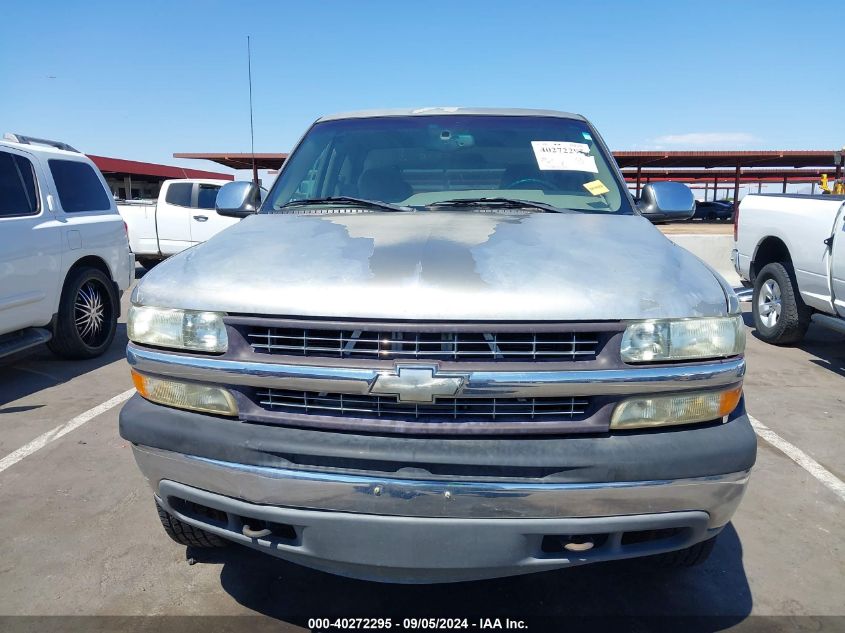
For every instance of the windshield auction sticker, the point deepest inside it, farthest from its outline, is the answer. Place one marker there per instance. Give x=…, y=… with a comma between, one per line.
x=564, y=156
x=596, y=187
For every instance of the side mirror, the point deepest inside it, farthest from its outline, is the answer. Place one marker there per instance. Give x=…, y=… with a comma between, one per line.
x=665, y=201
x=239, y=199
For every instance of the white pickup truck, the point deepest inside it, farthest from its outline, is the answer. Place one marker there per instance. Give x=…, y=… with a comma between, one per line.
x=182, y=216
x=792, y=250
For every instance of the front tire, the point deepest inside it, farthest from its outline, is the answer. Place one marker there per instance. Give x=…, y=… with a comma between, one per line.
x=87, y=317
x=780, y=315
x=689, y=557
x=186, y=534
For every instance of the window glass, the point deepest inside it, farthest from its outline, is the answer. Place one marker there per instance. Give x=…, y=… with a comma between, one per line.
x=207, y=196
x=78, y=187
x=417, y=161
x=18, y=189
x=179, y=193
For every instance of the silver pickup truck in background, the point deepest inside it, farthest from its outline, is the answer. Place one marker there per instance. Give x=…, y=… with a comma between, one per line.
x=791, y=248
x=448, y=346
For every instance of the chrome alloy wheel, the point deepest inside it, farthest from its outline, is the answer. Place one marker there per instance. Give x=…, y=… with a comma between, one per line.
x=769, y=303
x=91, y=312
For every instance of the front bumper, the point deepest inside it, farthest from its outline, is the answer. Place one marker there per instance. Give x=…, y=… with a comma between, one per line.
x=427, y=549
x=421, y=526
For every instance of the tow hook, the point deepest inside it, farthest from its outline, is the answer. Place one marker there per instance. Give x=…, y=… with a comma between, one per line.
x=578, y=544
x=247, y=531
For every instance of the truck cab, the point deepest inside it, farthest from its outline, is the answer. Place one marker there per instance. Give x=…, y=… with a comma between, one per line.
x=182, y=216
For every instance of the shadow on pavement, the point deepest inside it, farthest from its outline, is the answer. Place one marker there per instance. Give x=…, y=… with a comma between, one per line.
x=827, y=346
x=31, y=371
x=293, y=594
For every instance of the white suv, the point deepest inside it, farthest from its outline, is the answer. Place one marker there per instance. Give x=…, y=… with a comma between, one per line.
x=64, y=253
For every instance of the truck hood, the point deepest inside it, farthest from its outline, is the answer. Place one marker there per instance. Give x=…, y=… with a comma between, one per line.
x=443, y=265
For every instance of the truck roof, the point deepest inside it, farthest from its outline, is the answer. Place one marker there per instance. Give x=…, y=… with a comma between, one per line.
x=36, y=148
x=385, y=112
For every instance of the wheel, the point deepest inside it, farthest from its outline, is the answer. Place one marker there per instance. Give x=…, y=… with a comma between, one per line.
x=87, y=317
x=147, y=262
x=186, y=534
x=689, y=557
x=711, y=216
x=780, y=316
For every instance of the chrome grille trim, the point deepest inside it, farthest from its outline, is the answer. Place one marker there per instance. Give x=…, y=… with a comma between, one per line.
x=416, y=345
x=447, y=409
x=514, y=384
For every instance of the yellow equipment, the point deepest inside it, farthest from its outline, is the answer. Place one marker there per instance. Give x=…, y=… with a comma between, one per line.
x=838, y=188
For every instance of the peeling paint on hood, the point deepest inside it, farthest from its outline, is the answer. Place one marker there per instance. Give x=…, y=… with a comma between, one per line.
x=449, y=265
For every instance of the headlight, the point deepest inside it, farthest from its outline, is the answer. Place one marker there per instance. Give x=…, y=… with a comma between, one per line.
x=185, y=395
x=182, y=329
x=687, y=408
x=683, y=339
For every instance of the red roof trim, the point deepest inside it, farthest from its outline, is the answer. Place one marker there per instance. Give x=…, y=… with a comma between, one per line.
x=120, y=165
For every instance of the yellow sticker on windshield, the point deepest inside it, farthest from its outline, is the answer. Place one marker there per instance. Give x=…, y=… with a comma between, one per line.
x=596, y=187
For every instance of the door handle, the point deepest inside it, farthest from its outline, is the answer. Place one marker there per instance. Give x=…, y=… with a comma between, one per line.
x=200, y=218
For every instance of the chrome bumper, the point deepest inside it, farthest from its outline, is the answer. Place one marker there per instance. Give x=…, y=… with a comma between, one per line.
x=516, y=384
x=718, y=496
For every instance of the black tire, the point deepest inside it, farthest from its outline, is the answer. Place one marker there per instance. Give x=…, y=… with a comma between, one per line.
x=186, y=534
x=689, y=557
x=711, y=216
x=87, y=317
x=790, y=324
x=147, y=262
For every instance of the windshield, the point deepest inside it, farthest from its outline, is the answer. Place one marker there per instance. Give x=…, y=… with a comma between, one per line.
x=417, y=161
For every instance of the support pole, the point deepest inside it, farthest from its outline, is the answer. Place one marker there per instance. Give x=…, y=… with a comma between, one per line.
x=706, y=189
x=784, y=185
x=639, y=176
x=736, y=185
x=715, y=189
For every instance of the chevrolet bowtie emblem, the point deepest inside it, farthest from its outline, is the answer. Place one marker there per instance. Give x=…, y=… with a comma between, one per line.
x=417, y=383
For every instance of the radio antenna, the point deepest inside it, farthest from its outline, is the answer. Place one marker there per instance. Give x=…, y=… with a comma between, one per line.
x=251, y=128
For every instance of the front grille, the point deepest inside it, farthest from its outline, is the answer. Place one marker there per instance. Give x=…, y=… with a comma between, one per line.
x=454, y=346
x=449, y=409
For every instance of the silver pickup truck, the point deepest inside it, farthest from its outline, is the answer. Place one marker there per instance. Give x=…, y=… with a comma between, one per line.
x=447, y=346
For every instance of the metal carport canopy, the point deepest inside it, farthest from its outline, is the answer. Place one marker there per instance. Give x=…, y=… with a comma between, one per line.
x=711, y=175
x=625, y=158
x=238, y=160
x=674, y=162
x=109, y=165
x=711, y=159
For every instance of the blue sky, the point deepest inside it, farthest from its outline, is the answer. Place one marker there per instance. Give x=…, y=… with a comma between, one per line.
x=142, y=80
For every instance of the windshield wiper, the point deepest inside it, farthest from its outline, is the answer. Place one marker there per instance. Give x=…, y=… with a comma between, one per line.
x=370, y=204
x=499, y=203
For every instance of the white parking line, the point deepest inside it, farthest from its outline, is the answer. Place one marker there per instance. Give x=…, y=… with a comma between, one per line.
x=801, y=458
x=50, y=436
